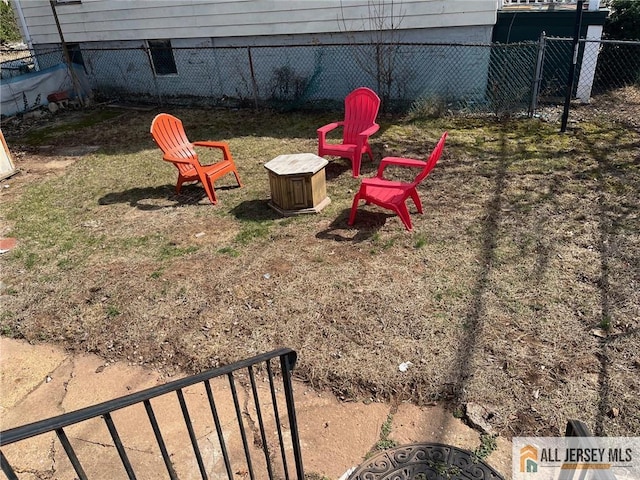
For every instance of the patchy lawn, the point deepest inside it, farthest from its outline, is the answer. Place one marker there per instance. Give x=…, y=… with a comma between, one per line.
x=518, y=288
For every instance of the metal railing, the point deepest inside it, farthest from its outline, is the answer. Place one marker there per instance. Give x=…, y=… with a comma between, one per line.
x=279, y=450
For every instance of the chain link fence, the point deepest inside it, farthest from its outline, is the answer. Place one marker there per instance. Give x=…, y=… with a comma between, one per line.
x=602, y=66
x=463, y=78
x=618, y=65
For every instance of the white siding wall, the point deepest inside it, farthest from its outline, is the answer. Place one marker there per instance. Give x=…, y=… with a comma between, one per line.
x=116, y=20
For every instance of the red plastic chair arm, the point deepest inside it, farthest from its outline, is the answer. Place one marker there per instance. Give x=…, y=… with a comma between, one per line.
x=364, y=135
x=369, y=131
x=399, y=161
x=211, y=144
x=224, y=146
x=322, y=131
x=330, y=126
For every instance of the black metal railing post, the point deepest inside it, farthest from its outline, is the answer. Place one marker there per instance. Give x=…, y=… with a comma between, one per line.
x=288, y=363
x=276, y=414
x=160, y=440
x=263, y=437
x=6, y=468
x=572, y=67
x=216, y=421
x=71, y=454
x=243, y=434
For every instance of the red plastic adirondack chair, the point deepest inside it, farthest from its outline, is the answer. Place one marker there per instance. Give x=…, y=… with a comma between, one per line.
x=360, y=111
x=394, y=195
x=169, y=134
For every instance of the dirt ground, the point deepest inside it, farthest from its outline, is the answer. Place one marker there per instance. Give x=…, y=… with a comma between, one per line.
x=356, y=303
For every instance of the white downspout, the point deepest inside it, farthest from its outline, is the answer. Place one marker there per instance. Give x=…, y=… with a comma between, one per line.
x=25, y=31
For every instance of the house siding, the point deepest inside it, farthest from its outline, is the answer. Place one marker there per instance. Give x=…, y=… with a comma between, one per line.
x=117, y=20
x=233, y=49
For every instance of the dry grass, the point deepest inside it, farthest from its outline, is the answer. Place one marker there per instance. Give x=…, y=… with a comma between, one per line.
x=529, y=242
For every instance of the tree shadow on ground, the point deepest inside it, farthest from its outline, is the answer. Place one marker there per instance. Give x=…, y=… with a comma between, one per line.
x=456, y=392
x=476, y=312
x=614, y=216
x=613, y=213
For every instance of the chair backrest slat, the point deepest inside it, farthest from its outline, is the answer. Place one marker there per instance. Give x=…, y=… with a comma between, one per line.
x=433, y=159
x=579, y=430
x=360, y=111
x=168, y=132
x=122, y=453
x=192, y=433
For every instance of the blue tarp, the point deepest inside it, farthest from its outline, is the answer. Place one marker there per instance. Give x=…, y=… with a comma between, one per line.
x=26, y=92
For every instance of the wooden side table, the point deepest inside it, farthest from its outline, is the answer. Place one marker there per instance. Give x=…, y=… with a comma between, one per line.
x=298, y=184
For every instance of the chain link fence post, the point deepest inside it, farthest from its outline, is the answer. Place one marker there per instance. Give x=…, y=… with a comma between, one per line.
x=153, y=74
x=537, y=79
x=254, y=84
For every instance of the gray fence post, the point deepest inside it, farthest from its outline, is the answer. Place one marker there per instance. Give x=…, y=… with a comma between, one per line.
x=253, y=79
x=74, y=78
x=153, y=73
x=537, y=79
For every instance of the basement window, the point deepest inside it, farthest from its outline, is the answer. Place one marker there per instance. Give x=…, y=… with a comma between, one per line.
x=75, y=54
x=162, y=57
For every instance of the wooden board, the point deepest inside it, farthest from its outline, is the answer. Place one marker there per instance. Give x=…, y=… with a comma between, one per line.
x=7, y=168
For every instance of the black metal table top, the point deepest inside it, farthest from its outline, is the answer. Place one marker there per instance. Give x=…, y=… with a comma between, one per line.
x=425, y=461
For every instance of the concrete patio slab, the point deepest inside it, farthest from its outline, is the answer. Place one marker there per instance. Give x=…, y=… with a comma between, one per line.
x=40, y=381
